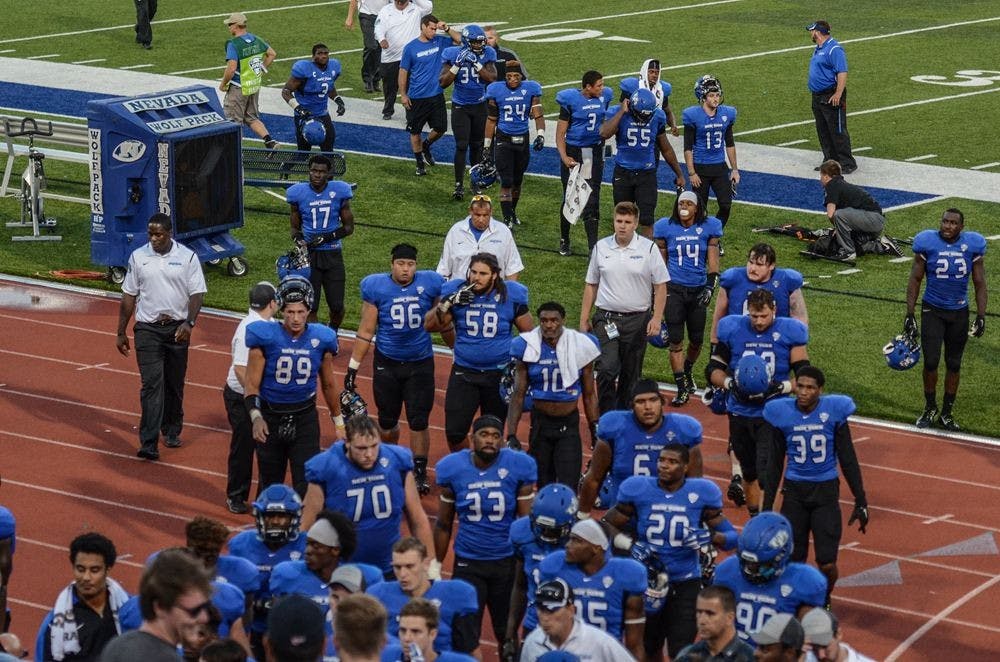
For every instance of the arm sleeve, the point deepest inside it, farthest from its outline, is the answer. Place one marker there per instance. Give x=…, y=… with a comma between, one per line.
x=730, y=141
x=849, y=463
x=771, y=475
x=690, y=132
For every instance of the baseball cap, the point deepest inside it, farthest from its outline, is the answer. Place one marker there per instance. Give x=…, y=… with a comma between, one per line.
x=295, y=624
x=236, y=18
x=261, y=294
x=348, y=576
x=820, y=626
x=553, y=594
x=589, y=530
x=819, y=26
x=781, y=629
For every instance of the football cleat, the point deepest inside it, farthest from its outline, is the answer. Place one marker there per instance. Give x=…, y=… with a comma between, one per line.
x=459, y=193
x=736, y=493
x=420, y=476
x=947, y=422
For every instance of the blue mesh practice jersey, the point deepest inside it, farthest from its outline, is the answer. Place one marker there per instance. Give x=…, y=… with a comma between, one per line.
x=584, y=114
x=949, y=266
x=531, y=552
x=483, y=328
x=629, y=86
x=320, y=212
x=291, y=365
x=710, y=132
x=400, y=333
x=8, y=527
x=687, y=248
x=637, y=142
x=316, y=84
x=738, y=286
x=810, y=438
x=514, y=106
x=452, y=597
x=246, y=545
x=545, y=381
x=467, y=90
x=296, y=577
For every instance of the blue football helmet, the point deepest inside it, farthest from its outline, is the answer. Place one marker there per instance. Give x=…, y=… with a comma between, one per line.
x=314, y=132
x=294, y=289
x=705, y=84
x=661, y=338
x=293, y=263
x=752, y=374
x=765, y=547
x=715, y=399
x=483, y=175
x=553, y=514
x=474, y=38
x=642, y=105
x=278, y=499
x=352, y=404
x=902, y=353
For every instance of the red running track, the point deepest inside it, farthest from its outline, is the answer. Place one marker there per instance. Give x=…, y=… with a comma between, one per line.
x=69, y=410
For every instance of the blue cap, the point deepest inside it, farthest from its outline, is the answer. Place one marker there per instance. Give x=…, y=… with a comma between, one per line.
x=819, y=26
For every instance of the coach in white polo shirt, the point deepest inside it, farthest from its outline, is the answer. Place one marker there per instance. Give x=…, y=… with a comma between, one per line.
x=166, y=280
x=625, y=271
x=479, y=232
x=397, y=24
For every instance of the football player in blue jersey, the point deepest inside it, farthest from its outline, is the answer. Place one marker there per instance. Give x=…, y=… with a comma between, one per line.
x=487, y=487
x=543, y=355
x=671, y=518
x=482, y=309
x=578, y=139
x=629, y=444
x=545, y=530
x=471, y=68
x=311, y=84
x=735, y=285
x=814, y=434
x=320, y=218
x=286, y=361
x=393, y=308
x=689, y=243
x=708, y=144
x=639, y=127
x=764, y=579
x=509, y=105
x=419, y=622
x=372, y=483
x=780, y=342
x=206, y=539
x=649, y=79
x=8, y=541
x=330, y=542
x=948, y=257
x=457, y=627
x=277, y=513
x=609, y=591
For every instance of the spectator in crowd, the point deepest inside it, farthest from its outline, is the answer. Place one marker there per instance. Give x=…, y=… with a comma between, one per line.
x=367, y=13
x=397, y=24
x=174, y=593
x=164, y=286
x=828, y=85
x=782, y=639
x=295, y=630
x=310, y=86
x=247, y=59
x=241, y=443
x=477, y=233
x=715, y=613
x=359, y=626
x=85, y=616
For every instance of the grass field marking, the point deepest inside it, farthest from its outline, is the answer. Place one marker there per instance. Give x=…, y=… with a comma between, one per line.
x=591, y=19
x=922, y=157
x=982, y=166
x=97, y=59
x=181, y=19
x=42, y=57
x=279, y=59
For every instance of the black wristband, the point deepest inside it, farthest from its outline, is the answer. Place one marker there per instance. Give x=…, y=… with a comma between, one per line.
x=713, y=280
x=252, y=402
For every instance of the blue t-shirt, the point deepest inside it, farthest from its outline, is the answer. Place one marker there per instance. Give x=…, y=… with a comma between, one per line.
x=798, y=585
x=949, y=266
x=687, y=248
x=400, y=333
x=634, y=450
x=483, y=329
x=467, y=90
x=628, y=87
x=316, y=84
x=600, y=598
x=374, y=499
x=738, y=286
x=663, y=518
x=774, y=344
x=545, y=381
x=485, y=500
x=513, y=106
x=636, y=142
x=452, y=597
x=710, y=132
x=296, y=577
x=423, y=60
x=531, y=551
x=247, y=545
x=320, y=212
x=810, y=438
x=291, y=365
x=827, y=61
x=584, y=114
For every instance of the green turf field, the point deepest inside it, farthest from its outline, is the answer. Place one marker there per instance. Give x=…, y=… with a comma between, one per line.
x=758, y=48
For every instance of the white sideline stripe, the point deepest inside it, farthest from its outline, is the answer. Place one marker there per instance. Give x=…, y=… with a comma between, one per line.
x=42, y=57
x=96, y=59
x=910, y=612
x=131, y=26
x=120, y=560
x=591, y=19
x=940, y=616
x=897, y=260
x=922, y=157
x=136, y=66
x=860, y=149
x=9, y=50
x=982, y=166
x=935, y=520
x=104, y=502
x=795, y=142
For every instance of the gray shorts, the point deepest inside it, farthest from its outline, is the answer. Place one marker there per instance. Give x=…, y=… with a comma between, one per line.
x=240, y=109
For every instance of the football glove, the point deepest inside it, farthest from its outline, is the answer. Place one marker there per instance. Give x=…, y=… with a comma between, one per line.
x=859, y=515
x=350, y=378
x=302, y=113
x=508, y=653
x=697, y=538
x=487, y=157
x=341, y=107
x=513, y=442
x=463, y=296
x=539, y=143
x=706, y=296
x=775, y=388
x=978, y=328
x=910, y=326
x=463, y=57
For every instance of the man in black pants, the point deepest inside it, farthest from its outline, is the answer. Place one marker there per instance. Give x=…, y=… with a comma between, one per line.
x=828, y=84
x=241, y=444
x=367, y=12
x=145, y=11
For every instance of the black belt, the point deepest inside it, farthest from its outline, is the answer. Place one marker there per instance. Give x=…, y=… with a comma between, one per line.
x=163, y=322
x=500, y=135
x=612, y=313
x=829, y=90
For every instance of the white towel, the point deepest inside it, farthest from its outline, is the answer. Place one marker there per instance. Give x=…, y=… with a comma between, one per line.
x=62, y=631
x=577, y=194
x=656, y=89
x=574, y=350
